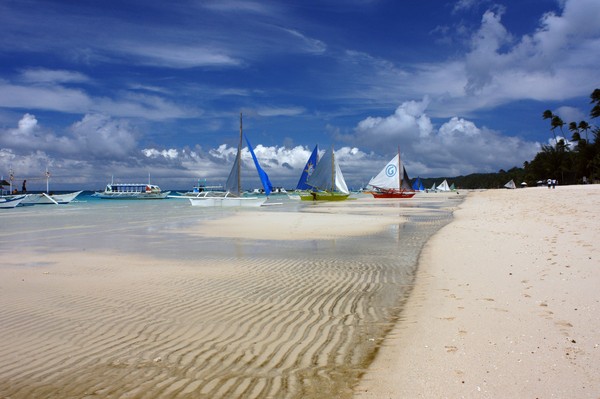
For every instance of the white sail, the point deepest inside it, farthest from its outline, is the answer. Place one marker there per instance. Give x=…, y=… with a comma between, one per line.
x=444, y=186
x=233, y=181
x=389, y=178
x=328, y=175
x=340, y=182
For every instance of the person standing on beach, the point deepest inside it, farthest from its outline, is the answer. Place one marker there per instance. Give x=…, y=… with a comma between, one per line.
x=23, y=187
x=549, y=183
x=553, y=183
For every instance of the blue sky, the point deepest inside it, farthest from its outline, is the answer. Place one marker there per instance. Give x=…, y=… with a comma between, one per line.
x=94, y=89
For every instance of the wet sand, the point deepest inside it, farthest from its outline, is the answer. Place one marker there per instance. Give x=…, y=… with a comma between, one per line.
x=159, y=300
x=506, y=303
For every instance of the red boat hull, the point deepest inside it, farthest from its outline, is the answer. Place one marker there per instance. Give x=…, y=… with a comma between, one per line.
x=393, y=194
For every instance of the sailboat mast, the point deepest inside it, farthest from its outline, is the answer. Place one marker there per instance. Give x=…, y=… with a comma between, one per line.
x=239, y=166
x=399, y=174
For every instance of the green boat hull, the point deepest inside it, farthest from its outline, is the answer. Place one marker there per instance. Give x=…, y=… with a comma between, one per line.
x=323, y=196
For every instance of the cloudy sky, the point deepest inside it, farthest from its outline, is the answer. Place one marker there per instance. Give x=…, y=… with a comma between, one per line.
x=96, y=89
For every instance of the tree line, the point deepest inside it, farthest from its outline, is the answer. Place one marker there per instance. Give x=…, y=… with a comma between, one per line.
x=570, y=162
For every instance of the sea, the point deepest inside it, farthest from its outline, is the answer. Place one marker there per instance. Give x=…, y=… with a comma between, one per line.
x=243, y=317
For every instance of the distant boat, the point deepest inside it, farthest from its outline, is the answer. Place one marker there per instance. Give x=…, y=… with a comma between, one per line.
x=199, y=189
x=511, y=184
x=232, y=196
x=392, y=181
x=131, y=191
x=327, y=181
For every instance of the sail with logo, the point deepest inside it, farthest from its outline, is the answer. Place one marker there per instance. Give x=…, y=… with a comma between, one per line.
x=392, y=181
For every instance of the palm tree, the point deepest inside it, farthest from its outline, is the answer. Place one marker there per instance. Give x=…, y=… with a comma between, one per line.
x=596, y=101
x=583, y=125
x=555, y=122
x=575, y=129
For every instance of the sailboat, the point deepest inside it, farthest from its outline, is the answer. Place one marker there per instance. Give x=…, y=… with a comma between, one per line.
x=511, y=184
x=444, y=186
x=232, y=197
x=392, y=181
x=327, y=181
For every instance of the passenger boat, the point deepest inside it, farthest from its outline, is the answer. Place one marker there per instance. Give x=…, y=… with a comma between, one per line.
x=131, y=191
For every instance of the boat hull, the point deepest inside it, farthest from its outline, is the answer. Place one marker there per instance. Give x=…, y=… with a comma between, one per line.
x=393, y=194
x=226, y=202
x=49, y=199
x=324, y=196
x=11, y=201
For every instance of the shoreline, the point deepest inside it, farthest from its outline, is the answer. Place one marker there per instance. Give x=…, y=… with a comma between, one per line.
x=505, y=303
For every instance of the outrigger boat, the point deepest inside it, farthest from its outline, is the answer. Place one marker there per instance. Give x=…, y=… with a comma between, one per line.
x=232, y=196
x=47, y=198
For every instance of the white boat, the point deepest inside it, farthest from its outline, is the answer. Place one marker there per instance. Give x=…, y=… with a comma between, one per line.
x=327, y=181
x=232, y=196
x=11, y=201
x=131, y=191
x=49, y=199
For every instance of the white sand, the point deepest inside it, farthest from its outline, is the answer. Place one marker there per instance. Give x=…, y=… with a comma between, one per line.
x=506, y=303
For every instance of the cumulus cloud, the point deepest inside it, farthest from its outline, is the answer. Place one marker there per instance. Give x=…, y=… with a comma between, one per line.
x=457, y=147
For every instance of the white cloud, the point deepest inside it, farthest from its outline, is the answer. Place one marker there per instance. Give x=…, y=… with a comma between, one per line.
x=55, y=97
x=43, y=75
x=176, y=56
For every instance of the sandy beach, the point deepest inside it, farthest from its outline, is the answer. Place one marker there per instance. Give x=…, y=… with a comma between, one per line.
x=506, y=303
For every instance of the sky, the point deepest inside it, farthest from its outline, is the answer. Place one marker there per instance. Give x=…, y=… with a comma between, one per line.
x=139, y=90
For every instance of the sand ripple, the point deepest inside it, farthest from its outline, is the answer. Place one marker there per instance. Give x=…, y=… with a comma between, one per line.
x=93, y=325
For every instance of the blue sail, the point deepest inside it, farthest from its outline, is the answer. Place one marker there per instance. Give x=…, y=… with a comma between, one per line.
x=264, y=178
x=311, y=164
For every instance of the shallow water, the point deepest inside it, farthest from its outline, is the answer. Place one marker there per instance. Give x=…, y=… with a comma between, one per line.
x=215, y=318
